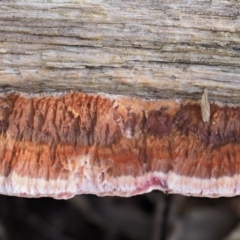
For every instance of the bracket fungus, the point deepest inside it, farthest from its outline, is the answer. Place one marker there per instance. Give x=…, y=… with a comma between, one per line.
x=73, y=143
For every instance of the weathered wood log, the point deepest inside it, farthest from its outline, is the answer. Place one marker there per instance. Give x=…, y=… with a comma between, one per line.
x=153, y=49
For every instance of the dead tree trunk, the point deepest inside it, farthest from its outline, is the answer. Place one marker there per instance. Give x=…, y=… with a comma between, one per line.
x=153, y=48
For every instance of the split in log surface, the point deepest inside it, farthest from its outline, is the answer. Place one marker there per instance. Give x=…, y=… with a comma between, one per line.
x=73, y=143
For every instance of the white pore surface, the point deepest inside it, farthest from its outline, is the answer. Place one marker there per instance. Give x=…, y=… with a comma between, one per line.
x=121, y=186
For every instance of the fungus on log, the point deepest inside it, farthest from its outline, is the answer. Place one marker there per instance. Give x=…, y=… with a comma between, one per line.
x=73, y=143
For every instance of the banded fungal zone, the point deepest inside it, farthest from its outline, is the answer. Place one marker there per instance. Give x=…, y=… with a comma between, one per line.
x=73, y=143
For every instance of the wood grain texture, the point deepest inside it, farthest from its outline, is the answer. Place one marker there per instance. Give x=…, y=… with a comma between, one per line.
x=153, y=48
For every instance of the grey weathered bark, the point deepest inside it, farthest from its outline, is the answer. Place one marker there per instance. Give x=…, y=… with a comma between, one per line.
x=153, y=48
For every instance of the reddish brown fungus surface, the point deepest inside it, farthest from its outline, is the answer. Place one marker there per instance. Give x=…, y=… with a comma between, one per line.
x=74, y=143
